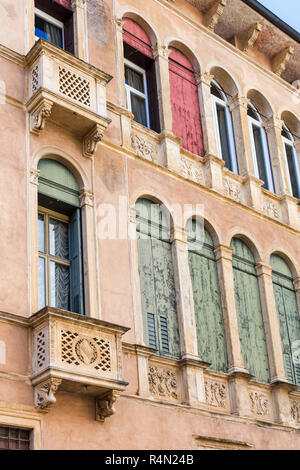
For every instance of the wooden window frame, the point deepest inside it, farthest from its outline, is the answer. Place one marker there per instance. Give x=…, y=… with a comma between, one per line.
x=290, y=142
x=258, y=123
x=46, y=254
x=229, y=128
x=129, y=89
x=52, y=20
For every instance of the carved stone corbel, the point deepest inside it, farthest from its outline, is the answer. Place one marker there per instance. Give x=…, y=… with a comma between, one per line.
x=91, y=140
x=44, y=394
x=105, y=405
x=247, y=40
x=281, y=59
x=213, y=15
x=39, y=115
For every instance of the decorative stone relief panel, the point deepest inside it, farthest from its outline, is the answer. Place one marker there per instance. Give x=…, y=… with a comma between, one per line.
x=35, y=81
x=143, y=147
x=74, y=86
x=271, y=209
x=163, y=383
x=295, y=410
x=190, y=170
x=232, y=190
x=216, y=393
x=41, y=348
x=260, y=403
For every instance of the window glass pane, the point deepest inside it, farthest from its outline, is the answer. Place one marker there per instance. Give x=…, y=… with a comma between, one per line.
x=223, y=136
x=138, y=106
x=49, y=31
x=42, y=289
x=216, y=92
x=59, y=285
x=134, y=79
x=259, y=155
x=41, y=230
x=290, y=160
x=59, y=238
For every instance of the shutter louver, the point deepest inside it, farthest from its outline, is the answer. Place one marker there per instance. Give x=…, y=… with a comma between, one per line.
x=151, y=331
x=164, y=334
x=76, y=265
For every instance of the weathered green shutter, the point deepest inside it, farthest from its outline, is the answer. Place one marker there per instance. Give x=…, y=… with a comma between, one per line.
x=58, y=182
x=207, y=300
x=76, y=264
x=248, y=306
x=288, y=316
x=156, y=273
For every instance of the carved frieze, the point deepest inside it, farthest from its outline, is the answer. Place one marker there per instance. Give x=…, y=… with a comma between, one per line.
x=295, y=410
x=190, y=170
x=215, y=393
x=142, y=147
x=260, y=403
x=270, y=209
x=162, y=382
x=232, y=190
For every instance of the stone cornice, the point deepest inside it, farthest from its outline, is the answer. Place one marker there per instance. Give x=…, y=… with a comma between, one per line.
x=11, y=55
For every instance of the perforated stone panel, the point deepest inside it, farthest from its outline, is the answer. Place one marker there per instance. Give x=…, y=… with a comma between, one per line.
x=75, y=87
x=35, y=79
x=82, y=351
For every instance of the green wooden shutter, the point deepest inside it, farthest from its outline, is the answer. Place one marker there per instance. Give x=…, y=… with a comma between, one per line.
x=288, y=316
x=158, y=295
x=77, y=304
x=58, y=182
x=248, y=306
x=207, y=299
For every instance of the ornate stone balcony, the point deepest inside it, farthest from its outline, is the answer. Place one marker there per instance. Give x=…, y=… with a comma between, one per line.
x=76, y=354
x=67, y=91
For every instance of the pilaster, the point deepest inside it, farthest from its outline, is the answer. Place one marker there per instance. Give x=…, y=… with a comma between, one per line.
x=80, y=30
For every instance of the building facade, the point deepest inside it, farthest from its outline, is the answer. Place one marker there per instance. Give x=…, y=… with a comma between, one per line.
x=150, y=256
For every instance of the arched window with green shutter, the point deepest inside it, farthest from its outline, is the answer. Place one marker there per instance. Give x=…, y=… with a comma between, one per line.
x=248, y=306
x=288, y=316
x=59, y=238
x=207, y=299
x=158, y=295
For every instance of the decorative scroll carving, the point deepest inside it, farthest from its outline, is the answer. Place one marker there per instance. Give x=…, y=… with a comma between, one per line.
x=232, y=190
x=92, y=139
x=86, y=198
x=260, y=404
x=142, y=147
x=44, y=393
x=247, y=40
x=215, y=393
x=214, y=13
x=34, y=176
x=189, y=170
x=270, y=209
x=281, y=59
x=162, y=382
x=77, y=4
x=161, y=51
x=39, y=115
x=105, y=405
x=295, y=410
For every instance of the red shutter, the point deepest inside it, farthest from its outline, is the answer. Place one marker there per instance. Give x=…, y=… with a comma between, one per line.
x=185, y=102
x=64, y=3
x=136, y=37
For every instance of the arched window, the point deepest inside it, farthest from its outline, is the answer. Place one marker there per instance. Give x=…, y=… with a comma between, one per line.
x=248, y=306
x=59, y=238
x=288, y=315
x=260, y=149
x=140, y=75
x=156, y=273
x=224, y=128
x=207, y=299
x=291, y=161
x=185, y=102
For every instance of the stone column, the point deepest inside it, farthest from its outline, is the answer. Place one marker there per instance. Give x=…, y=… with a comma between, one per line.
x=80, y=29
x=161, y=56
x=238, y=107
x=273, y=129
x=207, y=117
x=34, y=248
x=92, y=308
x=224, y=263
x=271, y=324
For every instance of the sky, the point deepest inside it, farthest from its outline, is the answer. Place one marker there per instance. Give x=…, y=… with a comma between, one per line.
x=286, y=10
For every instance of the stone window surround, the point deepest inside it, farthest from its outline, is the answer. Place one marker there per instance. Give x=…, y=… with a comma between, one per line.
x=80, y=28
x=89, y=248
x=22, y=418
